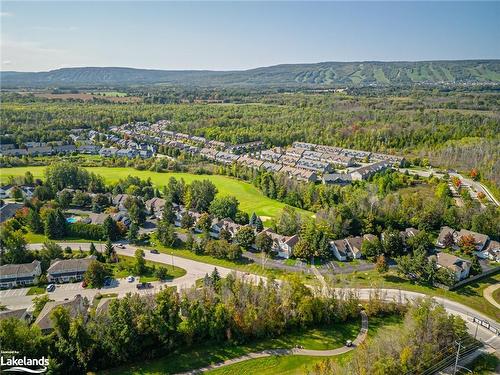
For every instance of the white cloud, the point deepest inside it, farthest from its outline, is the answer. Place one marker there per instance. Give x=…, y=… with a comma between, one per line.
x=6, y=14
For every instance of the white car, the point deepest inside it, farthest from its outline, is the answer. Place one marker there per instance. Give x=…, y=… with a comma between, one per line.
x=130, y=279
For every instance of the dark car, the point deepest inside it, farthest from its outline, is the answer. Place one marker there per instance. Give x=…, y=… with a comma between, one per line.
x=144, y=285
x=154, y=251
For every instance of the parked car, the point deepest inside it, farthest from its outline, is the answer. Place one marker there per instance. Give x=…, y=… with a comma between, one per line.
x=84, y=284
x=348, y=343
x=107, y=281
x=144, y=285
x=51, y=288
x=130, y=279
x=154, y=251
x=121, y=246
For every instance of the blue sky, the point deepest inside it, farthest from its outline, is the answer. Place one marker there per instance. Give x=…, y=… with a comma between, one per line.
x=236, y=35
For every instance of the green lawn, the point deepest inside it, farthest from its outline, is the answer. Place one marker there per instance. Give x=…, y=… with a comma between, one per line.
x=470, y=294
x=41, y=238
x=327, y=337
x=496, y=295
x=291, y=365
x=125, y=267
x=242, y=265
x=275, y=365
x=250, y=198
x=34, y=290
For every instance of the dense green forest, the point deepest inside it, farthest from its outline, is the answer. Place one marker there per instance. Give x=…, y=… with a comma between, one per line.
x=286, y=75
x=452, y=129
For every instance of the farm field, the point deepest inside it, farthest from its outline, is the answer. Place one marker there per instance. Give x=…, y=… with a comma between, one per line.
x=250, y=198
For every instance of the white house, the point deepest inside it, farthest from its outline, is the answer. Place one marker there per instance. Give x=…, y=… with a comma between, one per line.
x=459, y=266
x=354, y=246
x=12, y=275
x=339, y=249
x=283, y=245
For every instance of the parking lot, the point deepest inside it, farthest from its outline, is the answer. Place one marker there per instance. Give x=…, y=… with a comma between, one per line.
x=13, y=292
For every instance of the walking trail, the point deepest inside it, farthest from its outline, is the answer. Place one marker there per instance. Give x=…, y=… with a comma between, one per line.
x=488, y=294
x=295, y=351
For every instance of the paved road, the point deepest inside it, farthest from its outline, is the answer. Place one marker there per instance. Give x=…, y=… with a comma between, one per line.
x=488, y=294
x=363, y=333
x=196, y=270
x=17, y=298
x=478, y=187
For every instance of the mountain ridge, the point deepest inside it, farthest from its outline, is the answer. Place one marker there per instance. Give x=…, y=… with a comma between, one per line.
x=322, y=74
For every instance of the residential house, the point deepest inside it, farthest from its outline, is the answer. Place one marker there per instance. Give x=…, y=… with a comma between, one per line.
x=289, y=160
x=8, y=211
x=40, y=151
x=68, y=270
x=367, y=171
x=6, y=191
x=443, y=234
x=250, y=162
x=270, y=155
x=304, y=145
x=208, y=153
x=119, y=201
x=89, y=149
x=227, y=224
x=226, y=157
x=271, y=167
x=13, y=275
x=480, y=240
x=98, y=219
x=155, y=206
x=282, y=245
x=354, y=245
x=460, y=267
x=64, y=149
x=21, y=314
x=78, y=306
x=339, y=249
x=314, y=165
x=14, y=152
x=369, y=237
x=299, y=174
x=336, y=178
x=491, y=251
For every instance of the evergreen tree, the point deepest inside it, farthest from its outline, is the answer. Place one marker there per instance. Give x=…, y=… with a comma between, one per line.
x=110, y=229
x=253, y=218
x=133, y=231
x=34, y=221
x=259, y=227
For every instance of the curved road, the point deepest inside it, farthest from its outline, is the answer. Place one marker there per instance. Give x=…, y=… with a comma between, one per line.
x=196, y=270
x=488, y=294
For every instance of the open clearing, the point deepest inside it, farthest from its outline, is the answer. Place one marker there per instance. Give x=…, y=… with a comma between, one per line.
x=250, y=198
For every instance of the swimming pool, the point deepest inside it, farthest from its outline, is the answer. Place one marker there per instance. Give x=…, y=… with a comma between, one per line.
x=71, y=220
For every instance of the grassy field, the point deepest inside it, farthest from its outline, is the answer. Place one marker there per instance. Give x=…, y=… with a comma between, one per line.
x=317, y=338
x=125, y=267
x=242, y=265
x=470, y=295
x=327, y=337
x=41, y=238
x=250, y=198
x=496, y=295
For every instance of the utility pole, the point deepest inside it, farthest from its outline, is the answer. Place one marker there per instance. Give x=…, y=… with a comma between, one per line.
x=477, y=326
x=456, y=359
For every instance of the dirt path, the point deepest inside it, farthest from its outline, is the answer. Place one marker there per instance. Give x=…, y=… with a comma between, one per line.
x=488, y=294
x=295, y=351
